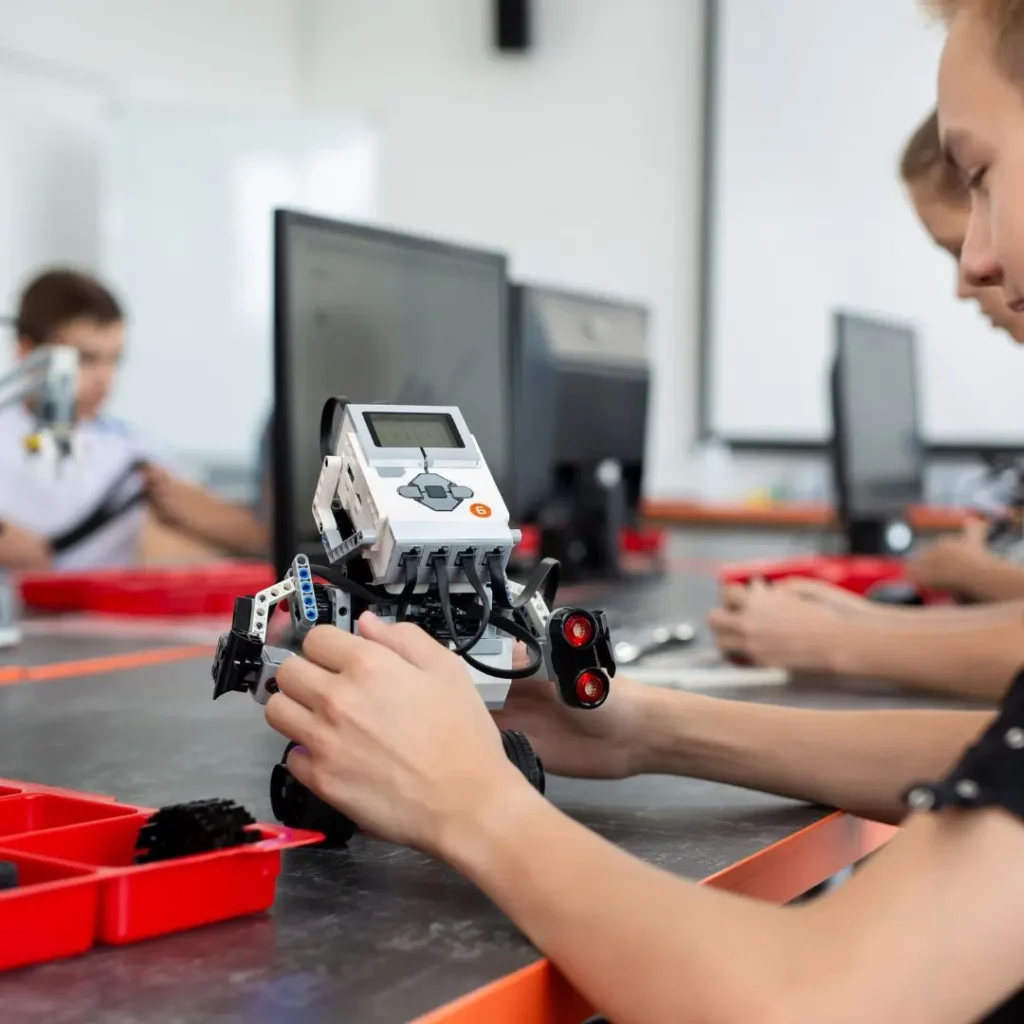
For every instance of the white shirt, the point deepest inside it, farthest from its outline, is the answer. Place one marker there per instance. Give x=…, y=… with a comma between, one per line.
x=52, y=506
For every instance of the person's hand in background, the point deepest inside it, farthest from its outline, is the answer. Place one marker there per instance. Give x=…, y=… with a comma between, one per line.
x=203, y=516
x=829, y=594
x=392, y=733
x=734, y=595
x=23, y=550
x=779, y=627
x=953, y=562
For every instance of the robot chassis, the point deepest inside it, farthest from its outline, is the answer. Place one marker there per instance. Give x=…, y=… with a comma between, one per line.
x=405, y=540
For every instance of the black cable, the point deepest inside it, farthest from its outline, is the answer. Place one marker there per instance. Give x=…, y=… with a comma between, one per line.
x=517, y=632
x=467, y=562
x=104, y=512
x=337, y=578
x=440, y=566
x=545, y=574
x=412, y=572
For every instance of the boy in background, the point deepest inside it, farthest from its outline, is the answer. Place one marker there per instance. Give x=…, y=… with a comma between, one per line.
x=95, y=515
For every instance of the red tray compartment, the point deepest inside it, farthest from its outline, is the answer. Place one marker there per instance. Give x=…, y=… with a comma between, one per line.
x=41, y=812
x=855, y=573
x=142, y=901
x=150, y=592
x=15, y=787
x=50, y=915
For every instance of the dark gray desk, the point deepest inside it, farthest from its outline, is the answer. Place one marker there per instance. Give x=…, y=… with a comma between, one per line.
x=372, y=934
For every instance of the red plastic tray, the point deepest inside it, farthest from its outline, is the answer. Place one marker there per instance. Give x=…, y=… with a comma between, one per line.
x=78, y=884
x=856, y=573
x=145, y=591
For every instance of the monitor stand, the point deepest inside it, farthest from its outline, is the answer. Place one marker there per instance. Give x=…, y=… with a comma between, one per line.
x=888, y=537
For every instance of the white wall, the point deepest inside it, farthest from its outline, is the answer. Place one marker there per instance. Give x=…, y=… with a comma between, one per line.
x=207, y=53
x=581, y=159
x=64, y=64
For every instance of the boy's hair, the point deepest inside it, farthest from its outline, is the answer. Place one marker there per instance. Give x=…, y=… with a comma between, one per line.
x=59, y=296
x=1006, y=18
x=924, y=162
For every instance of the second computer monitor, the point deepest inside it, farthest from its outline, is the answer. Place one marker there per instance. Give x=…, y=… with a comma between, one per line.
x=581, y=382
x=378, y=316
x=879, y=459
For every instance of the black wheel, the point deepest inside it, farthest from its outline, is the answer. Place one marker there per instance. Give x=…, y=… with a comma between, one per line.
x=295, y=806
x=520, y=753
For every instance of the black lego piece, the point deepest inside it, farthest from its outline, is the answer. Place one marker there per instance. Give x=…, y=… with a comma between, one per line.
x=297, y=807
x=521, y=754
x=201, y=826
x=8, y=875
x=238, y=659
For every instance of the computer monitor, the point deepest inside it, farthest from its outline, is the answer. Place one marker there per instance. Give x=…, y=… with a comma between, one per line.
x=878, y=455
x=379, y=316
x=581, y=382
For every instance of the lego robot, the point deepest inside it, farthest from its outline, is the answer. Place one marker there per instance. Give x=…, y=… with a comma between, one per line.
x=415, y=529
x=47, y=380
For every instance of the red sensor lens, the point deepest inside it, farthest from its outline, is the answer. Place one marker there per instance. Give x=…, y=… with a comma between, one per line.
x=578, y=630
x=590, y=687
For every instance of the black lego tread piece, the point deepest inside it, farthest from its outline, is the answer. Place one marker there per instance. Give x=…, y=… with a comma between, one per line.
x=182, y=830
x=8, y=875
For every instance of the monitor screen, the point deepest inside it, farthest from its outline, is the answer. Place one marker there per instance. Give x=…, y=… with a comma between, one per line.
x=877, y=435
x=413, y=430
x=378, y=316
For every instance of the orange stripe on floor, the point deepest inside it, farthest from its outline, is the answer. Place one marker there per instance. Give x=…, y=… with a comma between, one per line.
x=13, y=675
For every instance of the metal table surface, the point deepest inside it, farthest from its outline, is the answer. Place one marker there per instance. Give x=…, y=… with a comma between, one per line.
x=372, y=934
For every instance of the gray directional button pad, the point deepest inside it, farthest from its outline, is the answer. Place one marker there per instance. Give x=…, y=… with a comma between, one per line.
x=435, y=492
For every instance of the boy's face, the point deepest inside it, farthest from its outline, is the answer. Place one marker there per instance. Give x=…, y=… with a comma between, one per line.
x=946, y=222
x=981, y=119
x=100, y=348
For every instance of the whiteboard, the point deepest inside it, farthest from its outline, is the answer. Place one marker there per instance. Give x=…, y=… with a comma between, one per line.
x=186, y=237
x=814, y=103
x=49, y=178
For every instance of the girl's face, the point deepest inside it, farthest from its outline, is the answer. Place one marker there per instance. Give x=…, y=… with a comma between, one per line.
x=981, y=119
x=946, y=222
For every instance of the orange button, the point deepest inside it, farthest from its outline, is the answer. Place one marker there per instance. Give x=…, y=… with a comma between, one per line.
x=480, y=510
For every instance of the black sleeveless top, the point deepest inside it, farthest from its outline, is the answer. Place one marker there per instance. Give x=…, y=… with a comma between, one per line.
x=990, y=774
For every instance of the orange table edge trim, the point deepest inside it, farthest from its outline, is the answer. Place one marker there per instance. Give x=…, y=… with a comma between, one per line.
x=15, y=675
x=539, y=994
x=783, y=514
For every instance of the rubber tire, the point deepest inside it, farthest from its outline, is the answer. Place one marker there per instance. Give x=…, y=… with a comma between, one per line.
x=295, y=806
x=521, y=754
